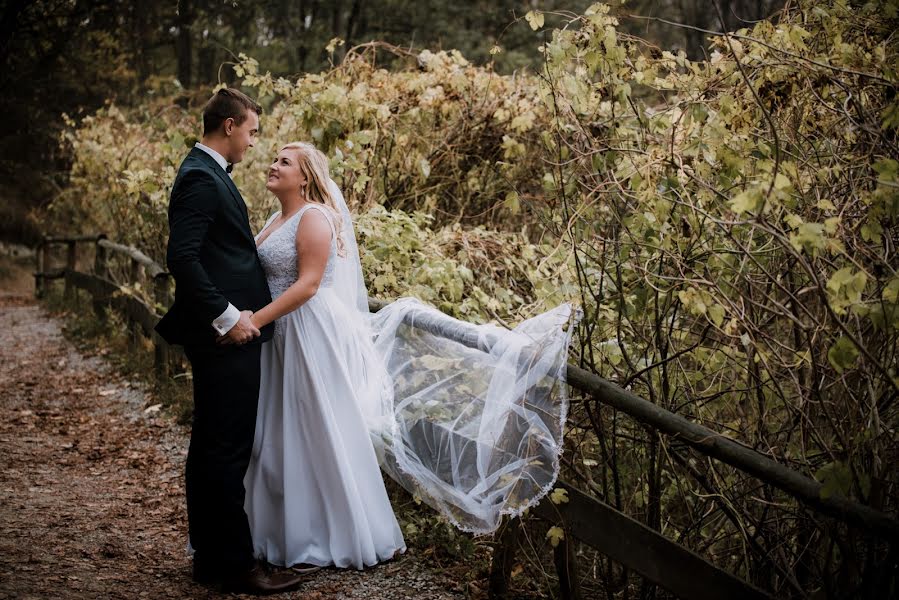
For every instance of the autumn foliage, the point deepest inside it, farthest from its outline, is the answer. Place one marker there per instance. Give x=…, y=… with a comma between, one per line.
x=728, y=226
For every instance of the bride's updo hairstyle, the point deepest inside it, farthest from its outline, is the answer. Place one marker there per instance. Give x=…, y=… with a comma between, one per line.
x=313, y=165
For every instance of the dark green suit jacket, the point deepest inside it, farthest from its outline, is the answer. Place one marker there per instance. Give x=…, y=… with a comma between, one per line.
x=211, y=254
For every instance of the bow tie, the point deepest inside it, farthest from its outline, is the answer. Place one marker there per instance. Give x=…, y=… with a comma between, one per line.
x=229, y=168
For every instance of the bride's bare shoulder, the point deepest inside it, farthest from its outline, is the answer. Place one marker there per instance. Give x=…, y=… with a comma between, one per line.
x=314, y=225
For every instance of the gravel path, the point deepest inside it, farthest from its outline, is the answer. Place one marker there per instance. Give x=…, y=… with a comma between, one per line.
x=91, y=486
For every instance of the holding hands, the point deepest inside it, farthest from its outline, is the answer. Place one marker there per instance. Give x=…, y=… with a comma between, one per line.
x=242, y=332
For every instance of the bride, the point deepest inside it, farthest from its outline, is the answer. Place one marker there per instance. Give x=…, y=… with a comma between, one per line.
x=467, y=418
x=314, y=489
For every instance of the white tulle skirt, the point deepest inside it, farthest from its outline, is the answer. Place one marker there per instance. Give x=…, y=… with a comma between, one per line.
x=314, y=488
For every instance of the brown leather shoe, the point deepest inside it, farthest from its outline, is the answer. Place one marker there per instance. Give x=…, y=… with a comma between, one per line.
x=260, y=581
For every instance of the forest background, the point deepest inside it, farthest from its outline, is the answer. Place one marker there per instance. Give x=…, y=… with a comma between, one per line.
x=73, y=56
x=722, y=207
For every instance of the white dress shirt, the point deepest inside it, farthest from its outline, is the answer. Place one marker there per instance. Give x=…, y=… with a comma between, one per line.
x=228, y=319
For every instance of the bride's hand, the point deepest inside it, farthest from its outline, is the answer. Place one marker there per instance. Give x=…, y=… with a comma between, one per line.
x=242, y=332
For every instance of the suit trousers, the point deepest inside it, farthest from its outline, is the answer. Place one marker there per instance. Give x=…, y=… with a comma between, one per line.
x=226, y=393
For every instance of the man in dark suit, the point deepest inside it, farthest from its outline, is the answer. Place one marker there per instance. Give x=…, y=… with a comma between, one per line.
x=212, y=256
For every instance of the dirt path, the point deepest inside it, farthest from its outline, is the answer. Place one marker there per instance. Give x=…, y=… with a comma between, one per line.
x=91, y=487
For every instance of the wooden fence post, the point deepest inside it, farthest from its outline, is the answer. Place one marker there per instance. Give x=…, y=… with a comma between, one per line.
x=162, y=356
x=45, y=251
x=101, y=269
x=101, y=259
x=71, y=263
x=136, y=272
x=504, y=559
x=39, y=263
x=135, y=280
x=566, y=568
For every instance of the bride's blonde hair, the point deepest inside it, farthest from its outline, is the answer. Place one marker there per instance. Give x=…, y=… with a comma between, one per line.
x=313, y=165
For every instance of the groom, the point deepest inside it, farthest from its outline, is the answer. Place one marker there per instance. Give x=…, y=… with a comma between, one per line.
x=212, y=256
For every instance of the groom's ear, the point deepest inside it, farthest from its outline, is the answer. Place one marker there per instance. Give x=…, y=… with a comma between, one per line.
x=228, y=125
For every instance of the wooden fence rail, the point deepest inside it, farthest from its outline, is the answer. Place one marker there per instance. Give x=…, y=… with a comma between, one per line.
x=702, y=438
x=141, y=315
x=583, y=517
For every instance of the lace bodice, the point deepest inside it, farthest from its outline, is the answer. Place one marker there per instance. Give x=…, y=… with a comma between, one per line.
x=278, y=252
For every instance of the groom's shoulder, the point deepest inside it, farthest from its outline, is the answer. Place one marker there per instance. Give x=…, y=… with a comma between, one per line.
x=193, y=169
x=194, y=178
x=192, y=161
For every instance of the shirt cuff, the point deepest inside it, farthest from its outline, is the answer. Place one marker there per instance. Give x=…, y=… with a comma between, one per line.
x=226, y=320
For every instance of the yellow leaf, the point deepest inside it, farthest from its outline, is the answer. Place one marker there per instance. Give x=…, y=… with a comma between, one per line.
x=750, y=200
x=891, y=291
x=333, y=44
x=716, y=312
x=781, y=182
x=512, y=202
x=555, y=535
x=534, y=19
x=559, y=496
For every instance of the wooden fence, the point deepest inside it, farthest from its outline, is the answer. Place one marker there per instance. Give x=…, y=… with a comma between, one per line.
x=139, y=270
x=583, y=517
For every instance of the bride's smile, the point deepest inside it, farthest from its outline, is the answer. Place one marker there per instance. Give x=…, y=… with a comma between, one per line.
x=284, y=174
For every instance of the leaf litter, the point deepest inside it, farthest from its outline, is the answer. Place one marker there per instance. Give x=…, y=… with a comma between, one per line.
x=91, y=484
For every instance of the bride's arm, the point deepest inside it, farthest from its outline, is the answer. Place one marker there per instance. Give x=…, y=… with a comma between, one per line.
x=313, y=246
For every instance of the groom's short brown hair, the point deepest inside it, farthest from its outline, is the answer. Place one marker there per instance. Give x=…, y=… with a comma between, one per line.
x=227, y=103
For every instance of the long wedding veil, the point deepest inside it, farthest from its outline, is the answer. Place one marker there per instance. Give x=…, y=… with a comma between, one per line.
x=468, y=418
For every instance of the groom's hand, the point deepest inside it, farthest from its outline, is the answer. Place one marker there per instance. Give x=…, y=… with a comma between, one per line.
x=242, y=332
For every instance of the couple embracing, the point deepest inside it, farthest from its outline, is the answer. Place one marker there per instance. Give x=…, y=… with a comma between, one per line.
x=280, y=470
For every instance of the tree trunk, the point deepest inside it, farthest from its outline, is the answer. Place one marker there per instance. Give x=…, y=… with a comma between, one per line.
x=353, y=22
x=308, y=10
x=183, y=43
x=337, y=30
x=140, y=44
x=207, y=65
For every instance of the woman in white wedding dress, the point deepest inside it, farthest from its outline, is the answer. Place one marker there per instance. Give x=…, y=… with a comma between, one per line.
x=314, y=488
x=468, y=418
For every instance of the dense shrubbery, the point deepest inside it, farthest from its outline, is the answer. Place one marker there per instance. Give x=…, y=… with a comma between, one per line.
x=729, y=228
x=735, y=236
x=403, y=146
